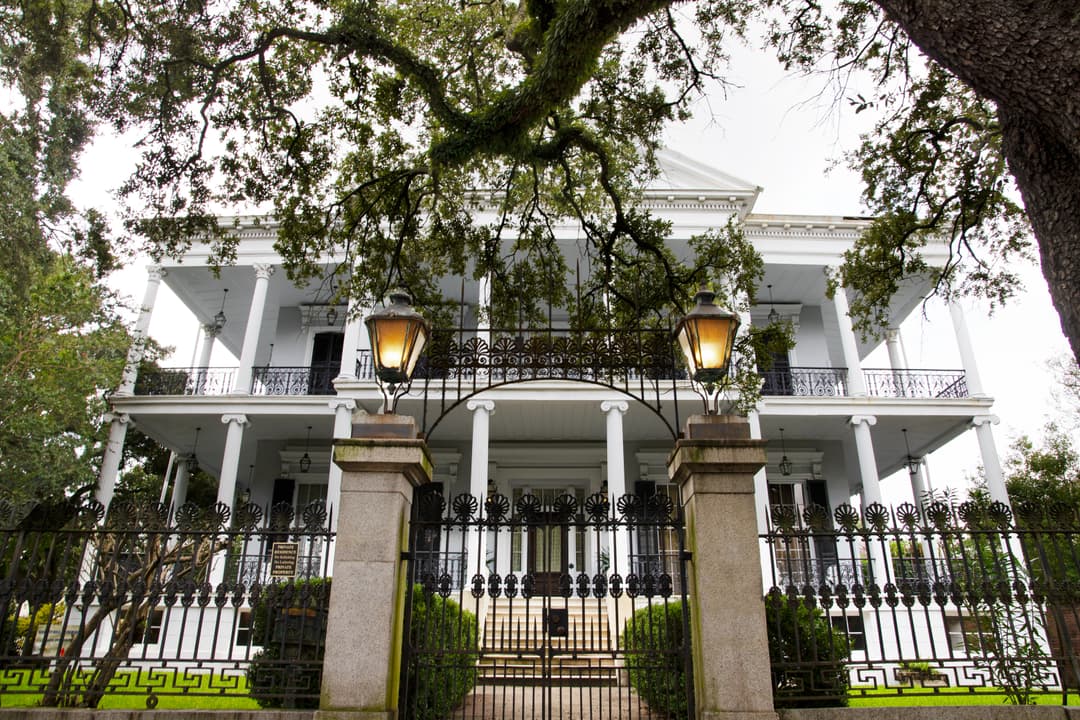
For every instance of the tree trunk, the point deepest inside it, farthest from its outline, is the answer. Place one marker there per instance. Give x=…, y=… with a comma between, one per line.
x=1024, y=56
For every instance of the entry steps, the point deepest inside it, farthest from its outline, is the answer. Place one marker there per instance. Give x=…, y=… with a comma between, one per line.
x=516, y=649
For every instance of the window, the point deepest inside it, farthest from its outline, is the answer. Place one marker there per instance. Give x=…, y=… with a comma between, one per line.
x=851, y=627
x=243, y=629
x=152, y=633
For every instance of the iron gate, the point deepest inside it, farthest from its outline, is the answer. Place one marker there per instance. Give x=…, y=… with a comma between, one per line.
x=576, y=611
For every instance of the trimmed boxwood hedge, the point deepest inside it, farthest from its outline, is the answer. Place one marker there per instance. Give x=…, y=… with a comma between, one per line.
x=655, y=657
x=289, y=621
x=442, y=637
x=653, y=639
x=801, y=635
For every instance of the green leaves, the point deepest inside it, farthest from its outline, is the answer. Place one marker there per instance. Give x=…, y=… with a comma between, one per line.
x=61, y=349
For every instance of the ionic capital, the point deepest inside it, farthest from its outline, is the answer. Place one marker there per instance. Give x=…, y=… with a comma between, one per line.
x=487, y=406
x=868, y=420
x=981, y=420
x=235, y=418
x=620, y=406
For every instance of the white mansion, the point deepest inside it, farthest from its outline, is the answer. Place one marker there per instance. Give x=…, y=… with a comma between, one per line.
x=834, y=427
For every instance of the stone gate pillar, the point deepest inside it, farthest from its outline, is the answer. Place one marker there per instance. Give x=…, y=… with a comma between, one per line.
x=714, y=466
x=381, y=464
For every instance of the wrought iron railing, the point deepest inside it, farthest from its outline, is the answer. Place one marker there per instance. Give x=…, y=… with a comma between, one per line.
x=805, y=381
x=974, y=599
x=147, y=604
x=916, y=383
x=185, y=381
x=316, y=379
x=365, y=368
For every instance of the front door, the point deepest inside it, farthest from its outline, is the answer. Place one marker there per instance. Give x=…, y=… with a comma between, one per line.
x=548, y=557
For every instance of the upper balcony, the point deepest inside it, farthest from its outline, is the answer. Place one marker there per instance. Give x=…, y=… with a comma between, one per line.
x=317, y=379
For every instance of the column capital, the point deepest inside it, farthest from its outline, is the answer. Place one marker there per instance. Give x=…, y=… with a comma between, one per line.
x=487, y=406
x=237, y=418
x=980, y=420
x=892, y=334
x=263, y=271
x=339, y=403
x=608, y=406
x=210, y=330
x=868, y=420
x=154, y=273
x=118, y=417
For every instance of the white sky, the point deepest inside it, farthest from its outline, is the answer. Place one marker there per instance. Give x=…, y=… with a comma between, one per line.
x=775, y=132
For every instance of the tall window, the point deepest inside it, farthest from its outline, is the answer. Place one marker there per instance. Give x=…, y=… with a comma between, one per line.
x=325, y=362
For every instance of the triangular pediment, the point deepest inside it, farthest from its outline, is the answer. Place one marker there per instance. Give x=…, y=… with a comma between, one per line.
x=681, y=172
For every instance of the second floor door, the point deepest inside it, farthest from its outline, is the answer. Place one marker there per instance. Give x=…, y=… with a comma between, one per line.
x=325, y=362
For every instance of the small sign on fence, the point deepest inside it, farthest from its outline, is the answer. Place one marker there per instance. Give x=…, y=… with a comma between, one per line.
x=284, y=557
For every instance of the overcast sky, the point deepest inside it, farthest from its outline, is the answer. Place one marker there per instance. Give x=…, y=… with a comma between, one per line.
x=777, y=131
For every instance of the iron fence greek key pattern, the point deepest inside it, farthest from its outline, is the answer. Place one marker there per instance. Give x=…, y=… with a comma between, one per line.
x=922, y=600
x=572, y=607
x=142, y=603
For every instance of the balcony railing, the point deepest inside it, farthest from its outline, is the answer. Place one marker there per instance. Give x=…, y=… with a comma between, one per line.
x=916, y=383
x=805, y=382
x=185, y=381
x=317, y=379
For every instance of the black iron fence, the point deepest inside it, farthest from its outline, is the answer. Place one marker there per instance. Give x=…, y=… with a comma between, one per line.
x=140, y=603
x=944, y=599
x=805, y=381
x=538, y=637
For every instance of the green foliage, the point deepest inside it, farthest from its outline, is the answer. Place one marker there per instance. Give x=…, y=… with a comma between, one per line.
x=289, y=621
x=61, y=349
x=656, y=657
x=802, y=639
x=445, y=670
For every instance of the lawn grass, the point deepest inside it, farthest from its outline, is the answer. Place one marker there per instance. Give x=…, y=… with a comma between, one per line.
x=891, y=697
x=129, y=690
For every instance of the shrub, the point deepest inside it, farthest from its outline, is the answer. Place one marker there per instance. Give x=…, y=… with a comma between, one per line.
x=442, y=636
x=811, y=653
x=289, y=621
x=655, y=659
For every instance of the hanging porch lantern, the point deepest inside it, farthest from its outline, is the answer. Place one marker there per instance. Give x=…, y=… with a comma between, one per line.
x=707, y=336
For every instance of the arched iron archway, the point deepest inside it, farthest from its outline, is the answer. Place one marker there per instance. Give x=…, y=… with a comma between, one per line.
x=460, y=364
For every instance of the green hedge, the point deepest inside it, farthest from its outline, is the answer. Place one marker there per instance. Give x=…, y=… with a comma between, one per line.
x=289, y=622
x=442, y=672
x=799, y=635
x=655, y=657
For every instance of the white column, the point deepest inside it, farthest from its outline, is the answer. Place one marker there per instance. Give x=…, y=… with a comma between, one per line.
x=110, y=462
x=343, y=410
x=855, y=380
x=864, y=447
x=350, y=344
x=995, y=478
x=483, y=322
x=180, y=486
x=616, y=476
x=967, y=351
x=896, y=352
x=478, y=478
x=154, y=273
x=209, y=334
x=761, y=505
x=230, y=459
x=254, y=325
x=918, y=483
x=168, y=474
